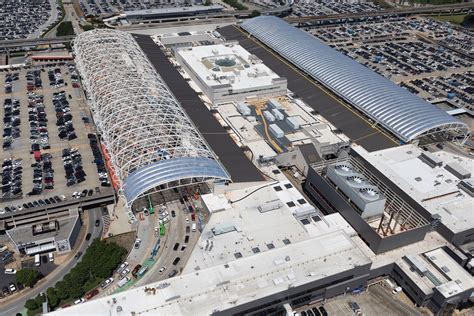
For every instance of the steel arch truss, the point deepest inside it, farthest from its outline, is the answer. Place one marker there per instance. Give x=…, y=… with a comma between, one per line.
x=151, y=141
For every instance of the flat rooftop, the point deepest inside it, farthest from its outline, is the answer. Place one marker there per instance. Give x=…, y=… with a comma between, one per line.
x=24, y=234
x=251, y=231
x=232, y=157
x=433, y=188
x=342, y=116
x=436, y=269
x=227, y=64
x=235, y=283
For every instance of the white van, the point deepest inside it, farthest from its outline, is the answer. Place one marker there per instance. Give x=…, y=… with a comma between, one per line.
x=193, y=227
x=37, y=260
x=51, y=257
x=123, y=281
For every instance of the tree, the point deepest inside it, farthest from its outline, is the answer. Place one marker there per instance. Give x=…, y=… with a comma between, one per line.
x=255, y=13
x=31, y=304
x=27, y=277
x=87, y=27
x=53, y=298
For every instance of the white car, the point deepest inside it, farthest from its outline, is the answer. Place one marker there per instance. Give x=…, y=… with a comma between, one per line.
x=122, y=267
x=10, y=271
x=12, y=288
x=187, y=220
x=124, y=273
x=162, y=269
x=397, y=290
x=79, y=301
x=107, y=282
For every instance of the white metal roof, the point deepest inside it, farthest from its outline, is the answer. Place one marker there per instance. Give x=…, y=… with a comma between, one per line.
x=402, y=113
x=151, y=141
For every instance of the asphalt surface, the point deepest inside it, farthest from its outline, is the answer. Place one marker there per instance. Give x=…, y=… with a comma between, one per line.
x=232, y=157
x=176, y=231
x=17, y=303
x=342, y=116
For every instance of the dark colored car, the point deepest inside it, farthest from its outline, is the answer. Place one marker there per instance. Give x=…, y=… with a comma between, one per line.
x=186, y=239
x=88, y=236
x=176, y=246
x=78, y=255
x=176, y=261
x=97, y=223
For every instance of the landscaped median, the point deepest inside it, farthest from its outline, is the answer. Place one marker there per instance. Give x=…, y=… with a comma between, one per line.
x=98, y=263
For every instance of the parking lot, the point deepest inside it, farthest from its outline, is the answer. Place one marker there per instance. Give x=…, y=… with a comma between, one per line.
x=377, y=300
x=47, y=139
x=6, y=279
x=427, y=57
x=25, y=18
x=310, y=7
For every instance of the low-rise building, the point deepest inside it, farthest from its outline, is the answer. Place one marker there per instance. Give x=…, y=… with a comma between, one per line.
x=227, y=72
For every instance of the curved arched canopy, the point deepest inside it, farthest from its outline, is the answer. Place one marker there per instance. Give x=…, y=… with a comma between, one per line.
x=150, y=139
x=399, y=111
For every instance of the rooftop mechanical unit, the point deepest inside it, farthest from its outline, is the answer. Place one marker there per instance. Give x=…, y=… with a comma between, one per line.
x=269, y=116
x=430, y=159
x=243, y=108
x=275, y=104
x=278, y=115
x=458, y=170
x=357, y=188
x=276, y=131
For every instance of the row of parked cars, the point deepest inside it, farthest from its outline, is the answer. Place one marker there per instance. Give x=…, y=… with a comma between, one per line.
x=33, y=80
x=99, y=160
x=33, y=204
x=63, y=116
x=72, y=161
x=11, y=122
x=12, y=172
x=43, y=174
x=55, y=78
x=38, y=121
x=9, y=78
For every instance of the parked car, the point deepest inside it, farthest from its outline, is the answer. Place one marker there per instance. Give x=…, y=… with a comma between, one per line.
x=10, y=271
x=172, y=273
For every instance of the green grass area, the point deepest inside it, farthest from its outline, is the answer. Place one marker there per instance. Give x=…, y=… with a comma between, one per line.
x=455, y=19
x=65, y=29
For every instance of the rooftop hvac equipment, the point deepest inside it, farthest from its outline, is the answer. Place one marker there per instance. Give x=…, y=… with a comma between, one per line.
x=278, y=115
x=275, y=104
x=358, y=189
x=415, y=263
x=270, y=206
x=293, y=122
x=243, y=108
x=222, y=229
x=276, y=131
x=269, y=116
x=45, y=227
x=467, y=185
x=458, y=170
x=430, y=159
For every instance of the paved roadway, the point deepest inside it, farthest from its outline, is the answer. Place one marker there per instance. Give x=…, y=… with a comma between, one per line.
x=175, y=233
x=16, y=304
